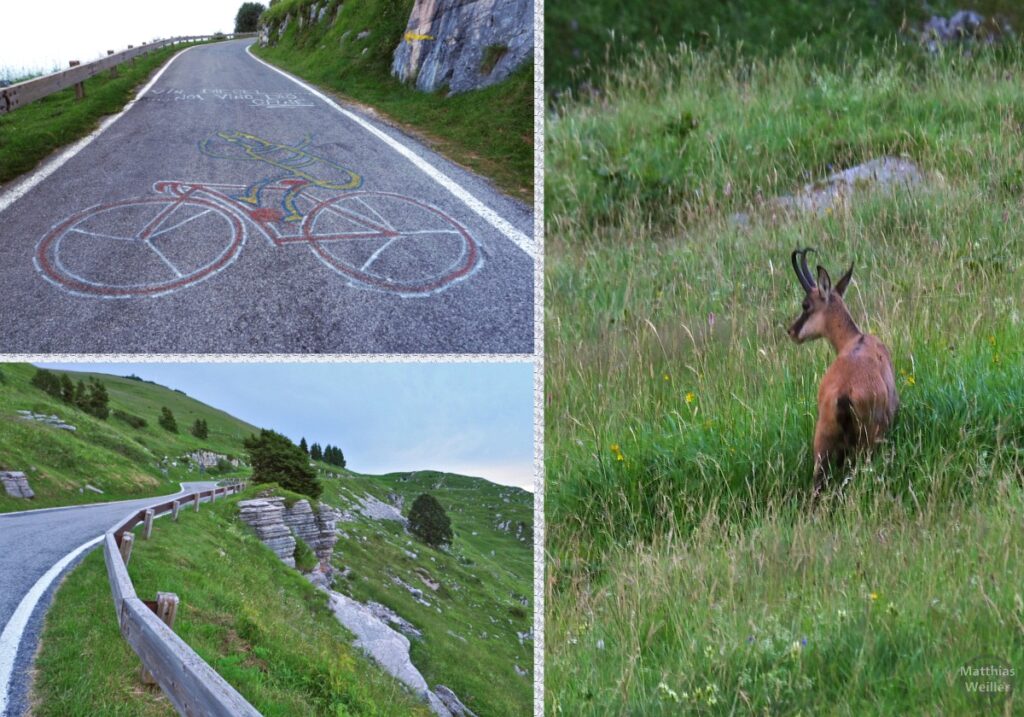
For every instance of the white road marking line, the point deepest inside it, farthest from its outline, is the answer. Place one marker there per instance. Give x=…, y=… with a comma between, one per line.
x=20, y=189
x=175, y=226
x=10, y=638
x=489, y=215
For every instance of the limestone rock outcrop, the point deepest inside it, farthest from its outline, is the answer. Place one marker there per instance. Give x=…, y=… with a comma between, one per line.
x=278, y=527
x=16, y=484
x=266, y=517
x=464, y=44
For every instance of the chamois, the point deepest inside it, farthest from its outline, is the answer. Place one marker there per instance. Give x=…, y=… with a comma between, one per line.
x=857, y=399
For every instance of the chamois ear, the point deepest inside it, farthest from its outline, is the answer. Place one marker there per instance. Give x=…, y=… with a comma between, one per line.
x=824, y=281
x=844, y=281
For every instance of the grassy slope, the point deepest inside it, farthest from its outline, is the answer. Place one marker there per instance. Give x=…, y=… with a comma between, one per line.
x=262, y=626
x=595, y=35
x=666, y=337
x=111, y=455
x=482, y=579
x=32, y=132
x=489, y=130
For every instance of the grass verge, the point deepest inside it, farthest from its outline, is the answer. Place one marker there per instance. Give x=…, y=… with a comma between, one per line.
x=260, y=625
x=679, y=414
x=488, y=130
x=29, y=134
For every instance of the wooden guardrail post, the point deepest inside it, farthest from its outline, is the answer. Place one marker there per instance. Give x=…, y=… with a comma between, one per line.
x=148, y=529
x=113, y=70
x=213, y=495
x=174, y=510
x=79, y=86
x=195, y=499
x=166, y=608
x=127, y=540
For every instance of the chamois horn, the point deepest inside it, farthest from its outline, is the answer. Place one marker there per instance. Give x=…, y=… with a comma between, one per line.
x=803, y=274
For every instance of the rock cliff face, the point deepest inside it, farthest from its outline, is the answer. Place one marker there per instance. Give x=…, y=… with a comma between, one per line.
x=464, y=44
x=266, y=517
x=278, y=526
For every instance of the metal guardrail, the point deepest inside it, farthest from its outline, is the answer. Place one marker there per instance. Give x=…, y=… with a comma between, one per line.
x=192, y=686
x=18, y=95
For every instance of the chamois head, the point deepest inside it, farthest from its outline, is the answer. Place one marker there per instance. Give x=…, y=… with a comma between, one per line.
x=822, y=301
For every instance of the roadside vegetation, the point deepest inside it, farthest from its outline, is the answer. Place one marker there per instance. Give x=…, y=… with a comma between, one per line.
x=687, y=573
x=259, y=624
x=128, y=454
x=30, y=133
x=349, y=53
x=271, y=635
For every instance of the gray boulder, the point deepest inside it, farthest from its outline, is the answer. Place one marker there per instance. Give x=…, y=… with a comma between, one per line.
x=16, y=484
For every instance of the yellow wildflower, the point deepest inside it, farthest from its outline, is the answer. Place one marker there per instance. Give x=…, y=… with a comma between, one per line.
x=690, y=397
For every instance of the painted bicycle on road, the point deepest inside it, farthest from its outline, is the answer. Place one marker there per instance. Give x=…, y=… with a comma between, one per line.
x=188, y=232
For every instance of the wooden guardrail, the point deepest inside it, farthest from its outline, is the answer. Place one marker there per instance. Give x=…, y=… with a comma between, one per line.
x=192, y=686
x=22, y=93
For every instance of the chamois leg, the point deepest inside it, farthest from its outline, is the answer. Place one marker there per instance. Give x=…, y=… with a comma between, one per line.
x=829, y=454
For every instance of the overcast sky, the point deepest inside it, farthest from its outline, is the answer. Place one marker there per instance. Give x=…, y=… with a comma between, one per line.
x=474, y=419
x=39, y=36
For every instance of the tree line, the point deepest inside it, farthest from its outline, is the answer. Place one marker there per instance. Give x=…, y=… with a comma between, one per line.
x=91, y=398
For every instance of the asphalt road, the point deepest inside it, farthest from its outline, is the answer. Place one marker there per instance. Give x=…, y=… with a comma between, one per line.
x=231, y=210
x=32, y=542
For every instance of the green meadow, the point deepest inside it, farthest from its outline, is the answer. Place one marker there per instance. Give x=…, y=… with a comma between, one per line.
x=122, y=460
x=687, y=571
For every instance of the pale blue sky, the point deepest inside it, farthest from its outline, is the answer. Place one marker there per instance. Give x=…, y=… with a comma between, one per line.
x=470, y=418
x=44, y=35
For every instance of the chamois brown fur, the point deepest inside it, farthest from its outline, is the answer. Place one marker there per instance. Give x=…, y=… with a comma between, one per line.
x=857, y=400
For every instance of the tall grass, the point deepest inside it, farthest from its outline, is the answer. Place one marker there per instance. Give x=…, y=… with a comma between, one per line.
x=679, y=415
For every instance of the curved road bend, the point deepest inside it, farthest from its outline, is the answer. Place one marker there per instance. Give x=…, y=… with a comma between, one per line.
x=30, y=544
x=231, y=209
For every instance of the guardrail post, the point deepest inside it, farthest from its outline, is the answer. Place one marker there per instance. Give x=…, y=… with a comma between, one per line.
x=174, y=510
x=166, y=608
x=127, y=540
x=195, y=499
x=213, y=496
x=148, y=529
x=113, y=70
x=79, y=86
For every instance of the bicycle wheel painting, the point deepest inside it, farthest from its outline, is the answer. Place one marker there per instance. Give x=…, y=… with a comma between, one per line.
x=169, y=242
x=391, y=243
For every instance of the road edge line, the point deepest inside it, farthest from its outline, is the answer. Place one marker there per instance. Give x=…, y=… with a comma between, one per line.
x=517, y=237
x=36, y=511
x=24, y=186
x=10, y=638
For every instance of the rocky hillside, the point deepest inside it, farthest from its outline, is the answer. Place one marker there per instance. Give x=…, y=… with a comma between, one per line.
x=457, y=74
x=423, y=615
x=68, y=456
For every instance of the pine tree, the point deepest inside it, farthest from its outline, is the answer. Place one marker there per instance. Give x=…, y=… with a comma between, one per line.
x=47, y=381
x=81, y=395
x=67, y=389
x=98, y=400
x=429, y=522
x=167, y=421
x=200, y=429
x=315, y=452
x=303, y=446
x=275, y=459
